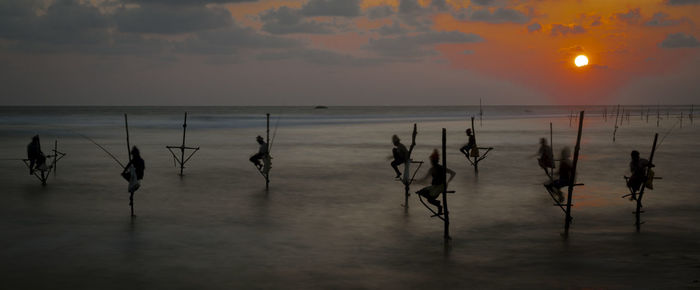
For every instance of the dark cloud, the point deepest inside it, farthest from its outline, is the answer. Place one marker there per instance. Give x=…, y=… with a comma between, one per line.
x=564, y=29
x=410, y=7
x=683, y=2
x=171, y=19
x=440, y=5
x=416, y=46
x=346, y=8
x=232, y=39
x=63, y=24
x=319, y=57
x=392, y=29
x=483, y=2
x=679, y=40
x=632, y=16
x=187, y=2
x=379, y=12
x=661, y=19
x=285, y=20
x=534, y=27
x=498, y=15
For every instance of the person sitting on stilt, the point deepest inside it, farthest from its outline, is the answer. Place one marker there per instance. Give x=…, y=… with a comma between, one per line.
x=638, y=168
x=133, y=172
x=399, y=154
x=466, y=149
x=546, y=157
x=565, y=167
x=261, y=153
x=37, y=159
x=437, y=185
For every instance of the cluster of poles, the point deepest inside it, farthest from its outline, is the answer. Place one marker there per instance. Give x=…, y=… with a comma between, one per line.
x=183, y=153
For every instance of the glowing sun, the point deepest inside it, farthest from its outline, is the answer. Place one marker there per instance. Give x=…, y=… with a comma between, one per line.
x=581, y=60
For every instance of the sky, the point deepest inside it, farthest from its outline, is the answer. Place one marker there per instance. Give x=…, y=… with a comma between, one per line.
x=348, y=52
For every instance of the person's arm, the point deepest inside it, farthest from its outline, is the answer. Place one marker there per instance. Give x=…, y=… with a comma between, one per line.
x=425, y=177
x=126, y=167
x=451, y=173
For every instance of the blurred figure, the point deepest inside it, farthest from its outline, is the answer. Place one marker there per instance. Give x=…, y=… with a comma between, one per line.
x=437, y=186
x=546, y=157
x=565, y=178
x=399, y=153
x=262, y=152
x=466, y=149
x=638, y=168
x=37, y=159
x=133, y=173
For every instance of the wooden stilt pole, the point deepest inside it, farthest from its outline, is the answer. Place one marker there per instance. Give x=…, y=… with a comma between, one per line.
x=128, y=146
x=55, y=157
x=446, y=212
x=476, y=159
x=641, y=191
x=648, y=111
x=551, y=147
x=617, y=116
x=658, y=116
x=128, y=149
x=681, y=120
x=572, y=180
x=691, y=115
x=407, y=175
x=182, y=148
x=605, y=114
x=267, y=175
x=481, y=114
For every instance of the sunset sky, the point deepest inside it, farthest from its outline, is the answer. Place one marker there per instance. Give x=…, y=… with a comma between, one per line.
x=348, y=52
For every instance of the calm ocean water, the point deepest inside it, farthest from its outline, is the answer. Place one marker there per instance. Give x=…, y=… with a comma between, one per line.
x=332, y=217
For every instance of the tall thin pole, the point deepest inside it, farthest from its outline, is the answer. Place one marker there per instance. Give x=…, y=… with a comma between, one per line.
x=691, y=114
x=407, y=175
x=444, y=180
x=55, y=157
x=182, y=148
x=605, y=113
x=572, y=180
x=641, y=191
x=128, y=145
x=551, y=147
x=658, y=116
x=481, y=114
x=476, y=159
x=617, y=116
x=267, y=175
x=681, y=119
x=648, y=111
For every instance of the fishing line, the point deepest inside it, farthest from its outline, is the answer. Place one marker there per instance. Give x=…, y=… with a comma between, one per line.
x=666, y=135
x=100, y=146
x=274, y=133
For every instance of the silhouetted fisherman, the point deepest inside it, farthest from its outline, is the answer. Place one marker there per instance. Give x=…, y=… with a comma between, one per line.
x=565, y=168
x=399, y=153
x=638, y=168
x=546, y=157
x=466, y=149
x=432, y=192
x=37, y=159
x=261, y=153
x=133, y=173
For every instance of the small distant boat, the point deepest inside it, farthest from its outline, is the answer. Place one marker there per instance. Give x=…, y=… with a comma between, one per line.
x=320, y=107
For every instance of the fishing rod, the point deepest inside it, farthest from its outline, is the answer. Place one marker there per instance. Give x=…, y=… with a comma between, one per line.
x=274, y=133
x=103, y=149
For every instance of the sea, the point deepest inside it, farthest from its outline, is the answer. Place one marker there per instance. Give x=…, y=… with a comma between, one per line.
x=333, y=216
